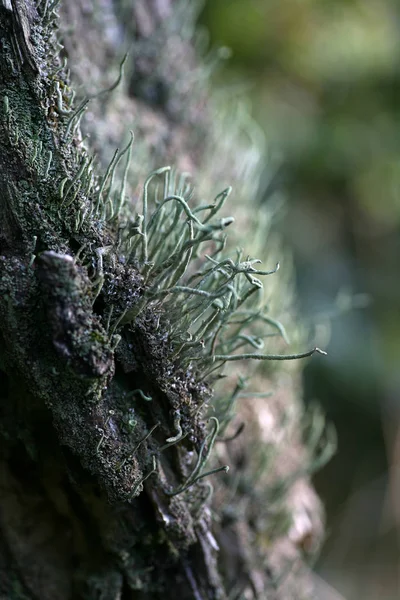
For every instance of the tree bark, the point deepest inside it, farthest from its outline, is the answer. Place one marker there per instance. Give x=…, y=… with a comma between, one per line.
x=105, y=420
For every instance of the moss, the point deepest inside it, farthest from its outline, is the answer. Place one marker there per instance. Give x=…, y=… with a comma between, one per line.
x=116, y=324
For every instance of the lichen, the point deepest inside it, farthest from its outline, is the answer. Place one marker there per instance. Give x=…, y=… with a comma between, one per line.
x=118, y=312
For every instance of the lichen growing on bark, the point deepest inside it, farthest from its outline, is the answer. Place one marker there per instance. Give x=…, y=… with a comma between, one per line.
x=119, y=307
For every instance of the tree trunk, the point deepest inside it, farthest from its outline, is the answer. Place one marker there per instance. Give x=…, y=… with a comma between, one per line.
x=112, y=321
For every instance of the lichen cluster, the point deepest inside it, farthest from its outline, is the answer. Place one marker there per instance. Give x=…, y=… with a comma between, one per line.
x=119, y=310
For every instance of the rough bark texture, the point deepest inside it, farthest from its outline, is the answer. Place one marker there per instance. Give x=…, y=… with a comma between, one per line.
x=88, y=507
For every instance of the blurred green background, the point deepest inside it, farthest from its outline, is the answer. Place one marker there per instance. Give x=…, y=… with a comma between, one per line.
x=324, y=80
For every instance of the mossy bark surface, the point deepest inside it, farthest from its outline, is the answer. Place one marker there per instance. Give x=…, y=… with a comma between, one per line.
x=102, y=418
